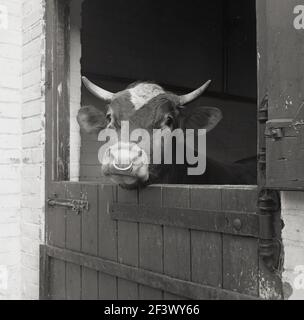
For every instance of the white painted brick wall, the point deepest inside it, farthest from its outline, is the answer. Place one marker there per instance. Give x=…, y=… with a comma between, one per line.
x=10, y=146
x=33, y=144
x=293, y=241
x=22, y=146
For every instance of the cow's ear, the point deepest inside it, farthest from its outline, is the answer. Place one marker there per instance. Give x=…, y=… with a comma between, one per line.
x=91, y=119
x=201, y=118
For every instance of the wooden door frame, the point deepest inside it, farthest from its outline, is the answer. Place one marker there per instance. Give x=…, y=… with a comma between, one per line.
x=57, y=73
x=58, y=117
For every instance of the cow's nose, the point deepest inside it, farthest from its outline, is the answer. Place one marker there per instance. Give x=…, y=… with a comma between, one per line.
x=122, y=167
x=122, y=157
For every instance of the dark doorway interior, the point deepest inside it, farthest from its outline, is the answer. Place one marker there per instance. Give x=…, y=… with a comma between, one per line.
x=180, y=45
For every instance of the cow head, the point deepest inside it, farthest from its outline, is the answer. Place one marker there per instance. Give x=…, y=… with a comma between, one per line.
x=145, y=106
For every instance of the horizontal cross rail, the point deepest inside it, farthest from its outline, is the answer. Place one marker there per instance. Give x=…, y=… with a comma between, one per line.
x=151, y=279
x=248, y=224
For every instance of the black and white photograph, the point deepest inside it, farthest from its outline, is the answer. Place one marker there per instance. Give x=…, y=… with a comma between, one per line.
x=151, y=150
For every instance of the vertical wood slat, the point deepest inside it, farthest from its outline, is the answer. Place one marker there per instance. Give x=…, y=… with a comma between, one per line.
x=56, y=224
x=127, y=247
x=89, y=234
x=150, y=244
x=206, y=247
x=240, y=254
x=61, y=91
x=177, y=259
x=73, y=242
x=107, y=241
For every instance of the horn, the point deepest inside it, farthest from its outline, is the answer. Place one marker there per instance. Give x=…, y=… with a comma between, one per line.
x=97, y=91
x=193, y=95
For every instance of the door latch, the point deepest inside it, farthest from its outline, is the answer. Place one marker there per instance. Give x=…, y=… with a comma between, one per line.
x=75, y=205
x=279, y=128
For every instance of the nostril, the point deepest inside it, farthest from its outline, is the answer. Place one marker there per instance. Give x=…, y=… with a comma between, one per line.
x=140, y=153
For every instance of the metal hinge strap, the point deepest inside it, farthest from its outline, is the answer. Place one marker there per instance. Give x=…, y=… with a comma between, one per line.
x=69, y=204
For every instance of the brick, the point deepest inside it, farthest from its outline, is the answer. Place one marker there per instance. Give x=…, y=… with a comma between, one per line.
x=9, y=230
x=31, y=171
x=11, y=156
x=9, y=215
x=32, y=156
x=10, y=126
x=9, y=187
x=31, y=185
x=10, y=52
x=10, y=110
x=11, y=245
x=31, y=93
x=30, y=261
x=31, y=124
x=292, y=200
x=9, y=259
x=9, y=95
x=32, y=108
x=294, y=254
x=33, y=201
x=32, y=216
x=32, y=78
x=10, y=67
x=30, y=276
x=9, y=201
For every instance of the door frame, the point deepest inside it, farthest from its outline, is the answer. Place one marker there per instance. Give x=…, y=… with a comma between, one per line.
x=58, y=130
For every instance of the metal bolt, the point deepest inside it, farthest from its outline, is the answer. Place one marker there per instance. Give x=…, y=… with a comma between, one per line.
x=237, y=224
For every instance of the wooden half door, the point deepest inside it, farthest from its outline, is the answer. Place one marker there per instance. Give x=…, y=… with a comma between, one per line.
x=164, y=242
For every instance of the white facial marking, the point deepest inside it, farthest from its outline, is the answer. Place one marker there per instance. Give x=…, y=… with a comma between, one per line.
x=143, y=93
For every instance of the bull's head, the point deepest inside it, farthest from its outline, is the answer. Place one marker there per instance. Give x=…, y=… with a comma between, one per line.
x=145, y=106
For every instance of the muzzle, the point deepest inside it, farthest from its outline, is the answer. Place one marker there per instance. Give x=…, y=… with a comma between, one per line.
x=126, y=164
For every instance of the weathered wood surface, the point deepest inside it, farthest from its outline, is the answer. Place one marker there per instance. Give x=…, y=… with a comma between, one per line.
x=282, y=67
x=149, y=260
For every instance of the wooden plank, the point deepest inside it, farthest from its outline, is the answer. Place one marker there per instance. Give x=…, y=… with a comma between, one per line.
x=90, y=220
x=127, y=247
x=57, y=280
x=211, y=221
x=89, y=234
x=147, y=278
x=44, y=273
x=206, y=247
x=73, y=242
x=55, y=222
x=73, y=281
x=240, y=254
x=150, y=243
x=107, y=287
x=89, y=284
x=107, y=241
x=240, y=265
x=240, y=199
x=177, y=249
x=73, y=220
x=285, y=82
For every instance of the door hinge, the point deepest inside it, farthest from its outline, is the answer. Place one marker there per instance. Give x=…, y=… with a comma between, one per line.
x=263, y=110
x=270, y=246
x=75, y=205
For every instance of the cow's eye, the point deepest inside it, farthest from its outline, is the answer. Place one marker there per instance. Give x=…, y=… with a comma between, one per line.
x=109, y=117
x=169, y=121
